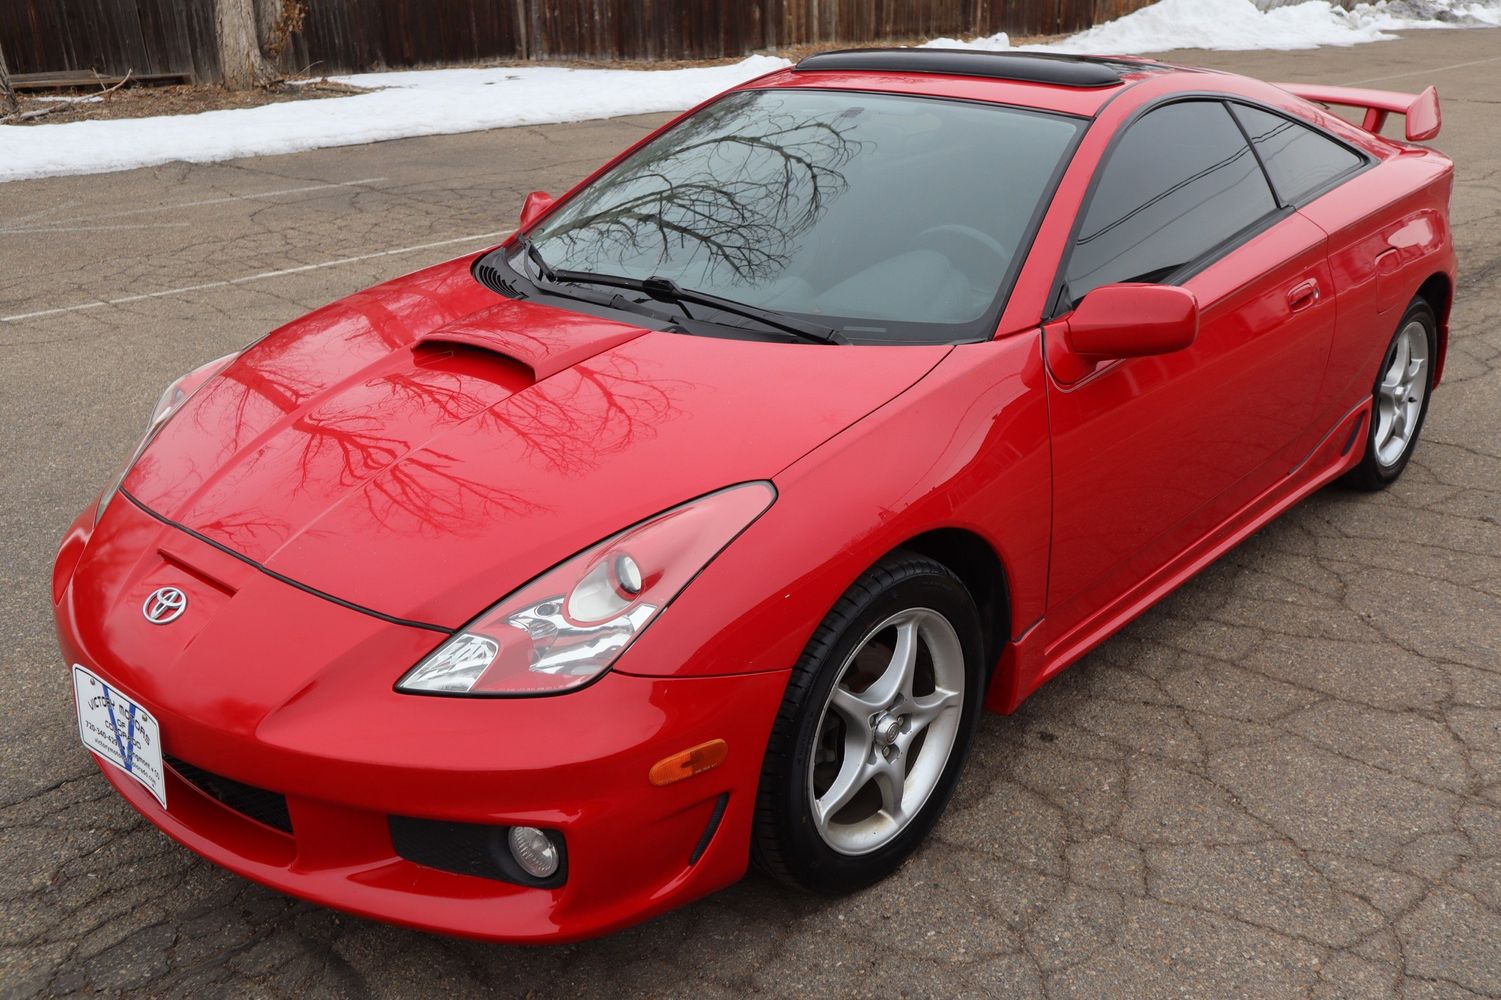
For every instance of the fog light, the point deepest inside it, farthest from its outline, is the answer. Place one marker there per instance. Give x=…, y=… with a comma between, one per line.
x=534, y=851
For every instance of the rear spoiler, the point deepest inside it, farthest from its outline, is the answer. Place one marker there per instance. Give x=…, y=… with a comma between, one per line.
x=1424, y=118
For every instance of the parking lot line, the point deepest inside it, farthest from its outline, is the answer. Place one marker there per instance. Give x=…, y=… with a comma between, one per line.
x=60, y=227
x=23, y=223
x=248, y=278
x=1424, y=72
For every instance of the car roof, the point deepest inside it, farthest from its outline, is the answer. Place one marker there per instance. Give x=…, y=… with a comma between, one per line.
x=1076, y=85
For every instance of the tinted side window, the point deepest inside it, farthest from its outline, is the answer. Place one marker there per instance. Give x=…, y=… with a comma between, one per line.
x=1299, y=159
x=1181, y=181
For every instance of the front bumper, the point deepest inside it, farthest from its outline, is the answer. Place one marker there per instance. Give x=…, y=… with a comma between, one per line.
x=288, y=692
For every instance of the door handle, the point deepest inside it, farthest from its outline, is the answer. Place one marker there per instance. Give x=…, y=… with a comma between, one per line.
x=1300, y=297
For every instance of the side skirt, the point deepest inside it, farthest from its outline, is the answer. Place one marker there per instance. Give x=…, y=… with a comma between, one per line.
x=1031, y=659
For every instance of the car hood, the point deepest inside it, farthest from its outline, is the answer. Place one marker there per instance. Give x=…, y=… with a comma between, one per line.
x=424, y=447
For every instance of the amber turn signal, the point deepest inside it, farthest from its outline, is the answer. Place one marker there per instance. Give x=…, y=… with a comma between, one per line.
x=687, y=763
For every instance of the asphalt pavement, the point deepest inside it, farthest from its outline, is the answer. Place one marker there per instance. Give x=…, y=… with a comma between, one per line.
x=1284, y=781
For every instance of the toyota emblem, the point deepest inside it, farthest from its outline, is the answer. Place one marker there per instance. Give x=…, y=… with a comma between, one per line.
x=164, y=605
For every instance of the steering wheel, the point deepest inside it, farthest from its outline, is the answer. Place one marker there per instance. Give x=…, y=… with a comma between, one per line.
x=975, y=238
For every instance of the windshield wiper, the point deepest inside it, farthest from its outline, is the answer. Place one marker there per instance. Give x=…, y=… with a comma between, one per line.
x=669, y=291
x=525, y=244
x=546, y=278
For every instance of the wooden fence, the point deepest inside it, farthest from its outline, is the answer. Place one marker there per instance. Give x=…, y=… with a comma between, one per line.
x=177, y=36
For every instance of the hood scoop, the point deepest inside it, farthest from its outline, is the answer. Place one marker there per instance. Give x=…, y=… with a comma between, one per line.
x=542, y=349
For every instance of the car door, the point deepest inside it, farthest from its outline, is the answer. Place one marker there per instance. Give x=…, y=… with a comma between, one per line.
x=1150, y=452
x=1371, y=236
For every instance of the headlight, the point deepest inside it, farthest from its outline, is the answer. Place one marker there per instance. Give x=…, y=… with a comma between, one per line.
x=571, y=623
x=173, y=398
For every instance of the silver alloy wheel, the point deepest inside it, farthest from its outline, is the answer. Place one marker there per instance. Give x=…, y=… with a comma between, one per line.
x=1399, y=397
x=886, y=732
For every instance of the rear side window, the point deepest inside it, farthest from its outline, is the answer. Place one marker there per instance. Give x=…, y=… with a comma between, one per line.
x=1300, y=160
x=1181, y=181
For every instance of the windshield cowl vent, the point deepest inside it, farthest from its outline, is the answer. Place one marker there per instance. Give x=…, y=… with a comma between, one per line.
x=489, y=276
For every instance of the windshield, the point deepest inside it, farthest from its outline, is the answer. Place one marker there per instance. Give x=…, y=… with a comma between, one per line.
x=891, y=219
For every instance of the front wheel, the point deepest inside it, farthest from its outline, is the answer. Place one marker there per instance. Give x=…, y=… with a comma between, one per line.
x=874, y=728
x=1399, y=400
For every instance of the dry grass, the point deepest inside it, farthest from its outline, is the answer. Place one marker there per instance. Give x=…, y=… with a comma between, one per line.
x=133, y=101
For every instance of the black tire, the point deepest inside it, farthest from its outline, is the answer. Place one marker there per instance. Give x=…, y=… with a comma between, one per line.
x=1372, y=474
x=785, y=840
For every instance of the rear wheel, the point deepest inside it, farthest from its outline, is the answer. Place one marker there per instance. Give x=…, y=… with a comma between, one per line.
x=1399, y=400
x=873, y=730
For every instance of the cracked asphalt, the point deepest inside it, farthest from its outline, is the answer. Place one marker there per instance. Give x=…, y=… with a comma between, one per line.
x=1284, y=781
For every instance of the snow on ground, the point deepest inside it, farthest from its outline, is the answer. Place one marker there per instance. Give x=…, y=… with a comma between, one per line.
x=426, y=102
x=1245, y=25
x=431, y=102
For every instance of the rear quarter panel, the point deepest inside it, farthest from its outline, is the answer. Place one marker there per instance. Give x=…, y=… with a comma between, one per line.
x=1388, y=234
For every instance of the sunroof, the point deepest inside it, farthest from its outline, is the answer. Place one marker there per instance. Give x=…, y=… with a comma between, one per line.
x=1029, y=67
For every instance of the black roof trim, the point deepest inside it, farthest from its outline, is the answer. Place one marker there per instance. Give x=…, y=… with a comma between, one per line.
x=1028, y=67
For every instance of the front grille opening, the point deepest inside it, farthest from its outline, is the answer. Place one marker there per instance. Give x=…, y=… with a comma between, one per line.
x=477, y=849
x=266, y=808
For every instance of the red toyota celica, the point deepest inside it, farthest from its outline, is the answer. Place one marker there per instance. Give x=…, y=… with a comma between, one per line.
x=540, y=591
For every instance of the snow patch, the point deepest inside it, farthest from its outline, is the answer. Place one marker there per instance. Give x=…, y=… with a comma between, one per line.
x=1244, y=25
x=422, y=102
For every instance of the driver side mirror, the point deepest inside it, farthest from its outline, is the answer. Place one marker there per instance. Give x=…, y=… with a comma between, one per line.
x=536, y=205
x=1123, y=321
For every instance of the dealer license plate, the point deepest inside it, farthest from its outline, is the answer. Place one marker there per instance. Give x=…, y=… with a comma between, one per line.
x=120, y=731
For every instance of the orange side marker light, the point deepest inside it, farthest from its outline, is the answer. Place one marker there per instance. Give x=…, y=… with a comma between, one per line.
x=687, y=763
